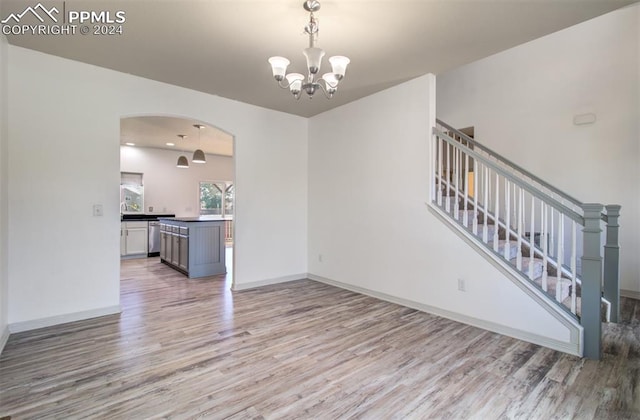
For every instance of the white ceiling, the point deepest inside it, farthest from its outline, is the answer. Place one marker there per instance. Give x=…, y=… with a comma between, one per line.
x=158, y=131
x=222, y=46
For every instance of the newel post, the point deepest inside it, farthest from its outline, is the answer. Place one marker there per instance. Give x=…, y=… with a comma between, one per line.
x=591, y=280
x=612, y=262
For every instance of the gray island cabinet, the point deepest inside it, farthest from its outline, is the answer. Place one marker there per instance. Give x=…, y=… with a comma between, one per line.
x=193, y=245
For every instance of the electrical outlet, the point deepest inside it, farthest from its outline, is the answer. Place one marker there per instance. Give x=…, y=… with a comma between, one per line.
x=97, y=210
x=319, y=257
x=461, y=285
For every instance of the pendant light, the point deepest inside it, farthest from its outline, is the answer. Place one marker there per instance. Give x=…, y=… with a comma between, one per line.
x=182, y=160
x=198, y=155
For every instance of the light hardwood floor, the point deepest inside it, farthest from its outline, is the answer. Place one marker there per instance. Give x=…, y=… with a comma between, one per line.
x=301, y=350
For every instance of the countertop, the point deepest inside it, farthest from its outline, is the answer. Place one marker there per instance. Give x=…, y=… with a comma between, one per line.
x=143, y=217
x=196, y=219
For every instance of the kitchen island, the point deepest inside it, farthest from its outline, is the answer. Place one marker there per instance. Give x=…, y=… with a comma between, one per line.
x=193, y=245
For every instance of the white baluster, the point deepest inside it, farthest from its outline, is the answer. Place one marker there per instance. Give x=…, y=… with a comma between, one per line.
x=573, y=265
x=560, y=255
x=496, y=212
x=456, y=174
x=448, y=175
x=543, y=243
x=532, y=238
x=476, y=168
x=485, y=232
x=552, y=233
x=514, y=216
x=507, y=222
x=465, y=217
x=440, y=144
x=520, y=222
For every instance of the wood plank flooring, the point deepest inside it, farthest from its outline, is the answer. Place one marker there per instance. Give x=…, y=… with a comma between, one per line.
x=302, y=350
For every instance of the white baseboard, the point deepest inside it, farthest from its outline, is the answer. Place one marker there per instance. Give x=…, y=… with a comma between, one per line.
x=62, y=319
x=4, y=337
x=565, y=347
x=630, y=294
x=267, y=282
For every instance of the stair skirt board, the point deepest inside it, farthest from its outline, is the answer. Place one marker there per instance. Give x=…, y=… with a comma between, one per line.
x=573, y=347
x=544, y=299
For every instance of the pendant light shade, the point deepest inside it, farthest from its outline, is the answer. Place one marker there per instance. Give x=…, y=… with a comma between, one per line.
x=314, y=58
x=339, y=65
x=198, y=157
x=182, y=162
x=331, y=82
x=295, y=82
x=279, y=67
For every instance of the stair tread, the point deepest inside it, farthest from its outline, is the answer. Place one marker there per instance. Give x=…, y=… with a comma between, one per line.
x=513, y=247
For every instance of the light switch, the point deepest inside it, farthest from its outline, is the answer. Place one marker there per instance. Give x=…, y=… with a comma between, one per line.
x=97, y=210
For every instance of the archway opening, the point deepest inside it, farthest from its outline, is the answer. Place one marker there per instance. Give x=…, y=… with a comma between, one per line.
x=162, y=178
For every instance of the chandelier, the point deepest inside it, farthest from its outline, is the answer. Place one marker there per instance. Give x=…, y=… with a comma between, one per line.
x=297, y=82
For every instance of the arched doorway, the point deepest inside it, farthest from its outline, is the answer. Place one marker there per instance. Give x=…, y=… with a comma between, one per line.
x=161, y=178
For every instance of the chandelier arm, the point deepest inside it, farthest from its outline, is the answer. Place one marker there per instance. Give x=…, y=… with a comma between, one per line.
x=323, y=88
x=286, y=85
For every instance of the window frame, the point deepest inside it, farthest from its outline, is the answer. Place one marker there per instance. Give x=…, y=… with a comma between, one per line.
x=223, y=208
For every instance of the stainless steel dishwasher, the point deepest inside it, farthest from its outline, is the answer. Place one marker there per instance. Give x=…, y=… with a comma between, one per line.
x=154, y=239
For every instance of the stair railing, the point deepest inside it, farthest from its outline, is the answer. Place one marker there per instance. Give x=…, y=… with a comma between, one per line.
x=551, y=238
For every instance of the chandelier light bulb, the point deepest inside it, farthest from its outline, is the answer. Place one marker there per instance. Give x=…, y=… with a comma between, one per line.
x=331, y=81
x=314, y=59
x=295, y=82
x=339, y=65
x=279, y=67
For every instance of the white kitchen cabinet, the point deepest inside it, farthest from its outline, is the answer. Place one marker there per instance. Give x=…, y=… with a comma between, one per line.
x=123, y=240
x=134, y=238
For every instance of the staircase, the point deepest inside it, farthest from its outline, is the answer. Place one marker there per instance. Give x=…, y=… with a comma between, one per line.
x=550, y=241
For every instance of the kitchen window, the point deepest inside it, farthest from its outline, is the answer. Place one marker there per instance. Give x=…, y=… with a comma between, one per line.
x=216, y=198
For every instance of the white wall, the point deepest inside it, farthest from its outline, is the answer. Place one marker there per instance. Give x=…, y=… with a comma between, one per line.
x=64, y=130
x=522, y=103
x=368, y=219
x=168, y=187
x=4, y=226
